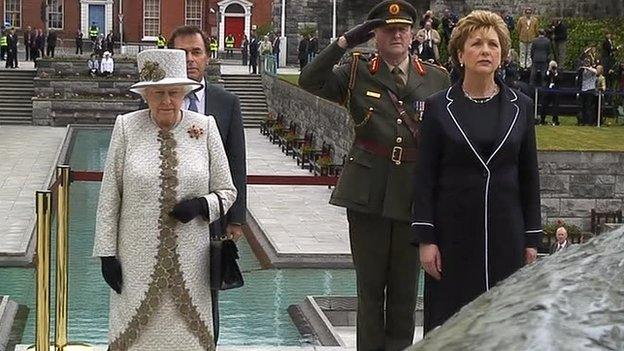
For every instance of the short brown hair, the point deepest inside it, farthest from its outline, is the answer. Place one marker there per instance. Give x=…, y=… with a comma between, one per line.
x=476, y=20
x=184, y=31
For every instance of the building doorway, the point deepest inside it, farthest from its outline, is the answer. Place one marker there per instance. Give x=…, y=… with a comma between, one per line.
x=235, y=26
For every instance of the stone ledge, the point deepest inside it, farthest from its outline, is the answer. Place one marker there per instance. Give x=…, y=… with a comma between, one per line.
x=269, y=257
x=8, y=310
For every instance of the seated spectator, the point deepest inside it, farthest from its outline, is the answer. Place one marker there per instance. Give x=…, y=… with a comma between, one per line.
x=107, y=65
x=94, y=65
x=562, y=242
x=551, y=80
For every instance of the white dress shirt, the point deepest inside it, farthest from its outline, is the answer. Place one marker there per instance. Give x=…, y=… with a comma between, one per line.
x=201, y=99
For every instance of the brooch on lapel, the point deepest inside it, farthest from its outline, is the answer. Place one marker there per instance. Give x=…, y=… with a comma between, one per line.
x=195, y=132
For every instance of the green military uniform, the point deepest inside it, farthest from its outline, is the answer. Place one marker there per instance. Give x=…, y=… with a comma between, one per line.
x=376, y=184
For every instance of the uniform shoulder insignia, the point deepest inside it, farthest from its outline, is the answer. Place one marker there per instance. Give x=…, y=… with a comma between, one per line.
x=418, y=66
x=373, y=64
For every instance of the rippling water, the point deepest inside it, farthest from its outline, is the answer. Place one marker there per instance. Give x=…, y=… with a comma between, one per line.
x=253, y=315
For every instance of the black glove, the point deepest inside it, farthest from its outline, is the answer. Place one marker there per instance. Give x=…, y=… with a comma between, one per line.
x=186, y=210
x=111, y=271
x=362, y=32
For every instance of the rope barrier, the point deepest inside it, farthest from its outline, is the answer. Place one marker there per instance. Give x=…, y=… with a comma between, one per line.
x=96, y=176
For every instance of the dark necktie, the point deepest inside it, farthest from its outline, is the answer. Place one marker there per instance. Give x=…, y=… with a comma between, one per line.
x=398, y=79
x=192, y=102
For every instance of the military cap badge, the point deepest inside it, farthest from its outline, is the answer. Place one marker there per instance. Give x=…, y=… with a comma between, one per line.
x=394, y=9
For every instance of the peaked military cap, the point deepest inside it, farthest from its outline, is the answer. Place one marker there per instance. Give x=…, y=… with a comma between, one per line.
x=394, y=11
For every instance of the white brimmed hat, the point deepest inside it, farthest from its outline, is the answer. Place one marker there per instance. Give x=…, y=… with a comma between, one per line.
x=158, y=67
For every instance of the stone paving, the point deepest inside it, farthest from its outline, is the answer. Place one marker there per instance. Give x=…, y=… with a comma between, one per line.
x=27, y=159
x=297, y=220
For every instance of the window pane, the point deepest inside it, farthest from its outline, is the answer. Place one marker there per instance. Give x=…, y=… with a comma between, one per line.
x=12, y=14
x=193, y=13
x=151, y=18
x=55, y=14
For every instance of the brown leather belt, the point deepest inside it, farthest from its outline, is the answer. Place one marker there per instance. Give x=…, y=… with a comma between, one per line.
x=397, y=154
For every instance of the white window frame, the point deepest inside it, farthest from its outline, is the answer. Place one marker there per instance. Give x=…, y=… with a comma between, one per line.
x=155, y=36
x=19, y=13
x=62, y=15
x=199, y=18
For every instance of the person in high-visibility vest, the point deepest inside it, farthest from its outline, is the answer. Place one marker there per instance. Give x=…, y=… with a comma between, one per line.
x=3, y=43
x=161, y=42
x=229, y=46
x=94, y=32
x=214, y=47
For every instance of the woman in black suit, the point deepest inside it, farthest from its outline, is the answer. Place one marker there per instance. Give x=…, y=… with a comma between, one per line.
x=477, y=204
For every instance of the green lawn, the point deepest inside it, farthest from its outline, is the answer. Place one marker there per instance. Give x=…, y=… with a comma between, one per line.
x=569, y=137
x=290, y=78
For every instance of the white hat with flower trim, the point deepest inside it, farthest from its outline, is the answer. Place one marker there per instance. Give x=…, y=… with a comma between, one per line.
x=162, y=67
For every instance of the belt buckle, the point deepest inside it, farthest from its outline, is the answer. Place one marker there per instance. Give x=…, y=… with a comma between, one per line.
x=397, y=154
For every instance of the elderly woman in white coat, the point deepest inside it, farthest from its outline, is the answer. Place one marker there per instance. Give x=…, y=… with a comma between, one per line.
x=165, y=172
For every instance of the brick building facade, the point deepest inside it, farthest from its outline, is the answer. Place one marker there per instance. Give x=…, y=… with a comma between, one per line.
x=138, y=20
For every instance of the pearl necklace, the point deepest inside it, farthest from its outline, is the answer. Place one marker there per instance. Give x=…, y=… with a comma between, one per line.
x=481, y=100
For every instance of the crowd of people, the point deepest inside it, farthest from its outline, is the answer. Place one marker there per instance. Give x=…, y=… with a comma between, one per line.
x=537, y=62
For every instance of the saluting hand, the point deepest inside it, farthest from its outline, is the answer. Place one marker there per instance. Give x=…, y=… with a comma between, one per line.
x=362, y=32
x=431, y=260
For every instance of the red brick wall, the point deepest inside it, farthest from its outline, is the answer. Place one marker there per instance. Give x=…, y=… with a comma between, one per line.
x=172, y=16
x=261, y=12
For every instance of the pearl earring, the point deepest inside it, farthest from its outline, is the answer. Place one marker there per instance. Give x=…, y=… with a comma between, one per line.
x=461, y=64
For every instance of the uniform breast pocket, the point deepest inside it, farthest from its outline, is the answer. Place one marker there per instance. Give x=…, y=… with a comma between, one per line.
x=356, y=178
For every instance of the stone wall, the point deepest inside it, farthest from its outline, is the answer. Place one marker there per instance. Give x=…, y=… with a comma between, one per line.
x=575, y=182
x=66, y=94
x=328, y=121
x=572, y=183
x=75, y=66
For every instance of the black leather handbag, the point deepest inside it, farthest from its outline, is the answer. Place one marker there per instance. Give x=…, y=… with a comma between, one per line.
x=224, y=271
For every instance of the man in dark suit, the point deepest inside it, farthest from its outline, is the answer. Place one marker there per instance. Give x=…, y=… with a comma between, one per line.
x=225, y=107
x=302, y=51
x=562, y=242
x=253, y=53
x=540, y=53
x=51, y=43
x=276, y=49
x=11, y=60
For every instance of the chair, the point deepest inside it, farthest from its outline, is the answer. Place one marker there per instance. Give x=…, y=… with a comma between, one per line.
x=598, y=220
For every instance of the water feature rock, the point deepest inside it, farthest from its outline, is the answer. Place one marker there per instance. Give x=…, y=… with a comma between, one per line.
x=572, y=300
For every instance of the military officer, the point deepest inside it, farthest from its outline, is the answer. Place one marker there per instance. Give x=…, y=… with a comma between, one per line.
x=385, y=99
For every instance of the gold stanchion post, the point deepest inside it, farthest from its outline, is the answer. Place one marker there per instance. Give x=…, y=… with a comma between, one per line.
x=44, y=209
x=62, y=263
x=62, y=208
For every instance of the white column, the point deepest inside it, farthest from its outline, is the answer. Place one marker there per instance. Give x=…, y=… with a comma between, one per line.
x=247, y=29
x=108, y=12
x=334, y=22
x=283, y=39
x=221, y=29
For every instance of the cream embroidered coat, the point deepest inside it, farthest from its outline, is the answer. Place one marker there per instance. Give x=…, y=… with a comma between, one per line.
x=165, y=299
